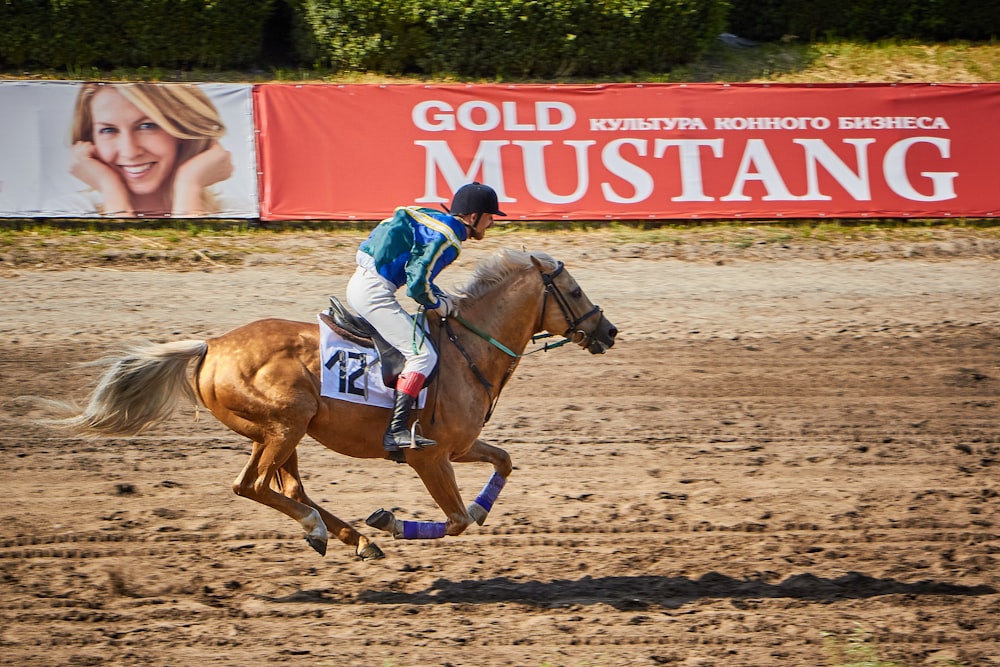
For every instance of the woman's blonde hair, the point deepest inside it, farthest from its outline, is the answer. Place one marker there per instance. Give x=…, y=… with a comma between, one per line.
x=184, y=112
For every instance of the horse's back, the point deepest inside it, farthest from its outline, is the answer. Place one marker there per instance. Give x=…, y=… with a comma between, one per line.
x=257, y=343
x=269, y=327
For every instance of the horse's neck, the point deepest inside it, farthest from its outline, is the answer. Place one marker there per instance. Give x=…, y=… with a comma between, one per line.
x=508, y=313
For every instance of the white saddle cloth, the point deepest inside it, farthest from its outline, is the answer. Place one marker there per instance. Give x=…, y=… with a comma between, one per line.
x=349, y=372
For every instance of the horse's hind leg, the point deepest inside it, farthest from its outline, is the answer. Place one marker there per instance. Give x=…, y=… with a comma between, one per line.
x=255, y=480
x=289, y=482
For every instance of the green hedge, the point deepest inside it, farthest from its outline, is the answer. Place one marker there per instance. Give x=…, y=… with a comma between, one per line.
x=931, y=20
x=491, y=38
x=474, y=38
x=512, y=38
x=131, y=33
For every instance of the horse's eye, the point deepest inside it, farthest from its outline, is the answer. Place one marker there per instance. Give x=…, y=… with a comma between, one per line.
x=577, y=293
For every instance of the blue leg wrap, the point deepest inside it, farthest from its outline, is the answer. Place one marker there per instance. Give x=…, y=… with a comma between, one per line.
x=423, y=530
x=489, y=494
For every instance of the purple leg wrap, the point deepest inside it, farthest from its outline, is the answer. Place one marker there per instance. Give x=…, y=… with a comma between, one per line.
x=423, y=530
x=489, y=494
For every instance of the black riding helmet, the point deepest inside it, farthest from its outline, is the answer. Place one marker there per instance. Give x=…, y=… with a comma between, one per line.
x=475, y=198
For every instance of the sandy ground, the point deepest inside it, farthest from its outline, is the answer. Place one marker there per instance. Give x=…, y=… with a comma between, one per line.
x=794, y=443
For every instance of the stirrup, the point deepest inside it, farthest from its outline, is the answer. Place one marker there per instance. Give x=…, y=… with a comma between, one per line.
x=400, y=440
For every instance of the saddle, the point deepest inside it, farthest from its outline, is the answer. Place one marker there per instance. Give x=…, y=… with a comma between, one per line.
x=359, y=331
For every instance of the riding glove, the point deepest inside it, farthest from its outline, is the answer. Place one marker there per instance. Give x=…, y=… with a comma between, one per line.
x=447, y=305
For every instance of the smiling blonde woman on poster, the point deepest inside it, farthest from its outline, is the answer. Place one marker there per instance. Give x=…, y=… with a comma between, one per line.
x=147, y=149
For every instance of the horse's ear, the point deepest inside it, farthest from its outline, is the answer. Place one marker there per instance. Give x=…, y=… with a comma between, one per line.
x=538, y=265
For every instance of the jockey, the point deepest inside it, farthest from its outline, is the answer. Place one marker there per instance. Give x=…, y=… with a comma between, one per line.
x=411, y=248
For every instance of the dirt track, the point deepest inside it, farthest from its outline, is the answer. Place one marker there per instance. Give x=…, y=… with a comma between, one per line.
x=791, y=443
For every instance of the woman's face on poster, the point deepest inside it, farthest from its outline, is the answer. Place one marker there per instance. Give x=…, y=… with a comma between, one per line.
x=138, y=149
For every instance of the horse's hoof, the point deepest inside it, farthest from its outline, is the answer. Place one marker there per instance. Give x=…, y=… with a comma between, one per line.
x=371, y=552
x=382, y=519
x=318, y=544
x=478, y=513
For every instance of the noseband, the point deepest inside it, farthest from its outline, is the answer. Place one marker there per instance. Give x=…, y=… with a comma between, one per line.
x=572, y=324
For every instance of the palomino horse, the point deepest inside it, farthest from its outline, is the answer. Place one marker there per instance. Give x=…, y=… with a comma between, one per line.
x=262, y=380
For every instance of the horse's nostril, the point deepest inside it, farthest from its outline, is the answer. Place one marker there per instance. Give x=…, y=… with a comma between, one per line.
x=613, y=332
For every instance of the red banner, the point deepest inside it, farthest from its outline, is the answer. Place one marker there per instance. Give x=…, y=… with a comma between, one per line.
x=631, y=151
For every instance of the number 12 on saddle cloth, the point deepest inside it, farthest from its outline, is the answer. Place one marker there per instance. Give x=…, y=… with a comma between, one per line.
x=350, y=372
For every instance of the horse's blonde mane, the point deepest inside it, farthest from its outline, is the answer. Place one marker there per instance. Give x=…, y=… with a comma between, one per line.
x=496, y=269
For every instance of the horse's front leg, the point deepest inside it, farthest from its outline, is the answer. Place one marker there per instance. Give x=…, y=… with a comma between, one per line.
x=438, y=477
x=483, y=452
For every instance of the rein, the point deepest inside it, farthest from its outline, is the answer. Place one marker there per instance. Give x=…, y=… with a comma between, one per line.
x=487, y=385
x=506, y=350
x=548, y=279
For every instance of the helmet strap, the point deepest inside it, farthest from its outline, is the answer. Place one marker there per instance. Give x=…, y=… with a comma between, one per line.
x=475, y=221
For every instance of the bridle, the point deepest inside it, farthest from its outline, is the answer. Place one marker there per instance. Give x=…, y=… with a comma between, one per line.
x=572, y=334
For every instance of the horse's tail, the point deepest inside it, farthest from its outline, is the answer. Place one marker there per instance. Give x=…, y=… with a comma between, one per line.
x=140, y=389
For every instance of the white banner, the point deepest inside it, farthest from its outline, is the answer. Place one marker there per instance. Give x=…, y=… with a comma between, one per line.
x=77, y=150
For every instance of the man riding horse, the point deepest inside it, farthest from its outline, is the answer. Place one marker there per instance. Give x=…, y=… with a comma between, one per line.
x=411, y=248
x=263, y=379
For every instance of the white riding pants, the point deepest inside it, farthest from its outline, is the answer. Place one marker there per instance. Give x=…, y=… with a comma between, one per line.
x=374, y=298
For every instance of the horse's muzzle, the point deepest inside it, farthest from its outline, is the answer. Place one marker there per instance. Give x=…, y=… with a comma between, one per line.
x=602, y=337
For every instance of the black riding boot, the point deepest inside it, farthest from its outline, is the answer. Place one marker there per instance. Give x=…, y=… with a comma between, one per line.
x=397, y=436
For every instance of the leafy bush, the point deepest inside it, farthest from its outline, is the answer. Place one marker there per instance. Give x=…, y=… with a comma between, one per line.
x=131, y=33
x=933, y=20
x=474, y=38
x=512, y=38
